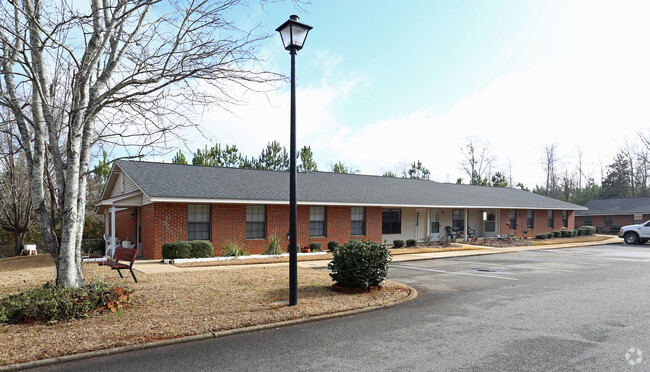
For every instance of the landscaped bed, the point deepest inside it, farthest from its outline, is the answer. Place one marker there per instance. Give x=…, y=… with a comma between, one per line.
x=509, y=242
x=436, y=247
x=172, y=305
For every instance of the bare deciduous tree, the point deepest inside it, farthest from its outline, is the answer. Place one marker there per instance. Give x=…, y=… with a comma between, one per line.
x=122, y=72
x=550, y=164
x=478, y=160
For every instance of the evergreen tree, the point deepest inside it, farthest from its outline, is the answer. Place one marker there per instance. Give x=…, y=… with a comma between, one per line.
x=216, y=156
x=418, y=171
x=499, y=180
x=179, y=158
x=617, y=181
x=274, y=157
x=389, y=174
x=307, y=163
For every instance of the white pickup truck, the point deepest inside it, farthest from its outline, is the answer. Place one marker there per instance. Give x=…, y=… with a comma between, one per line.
x=635, y=234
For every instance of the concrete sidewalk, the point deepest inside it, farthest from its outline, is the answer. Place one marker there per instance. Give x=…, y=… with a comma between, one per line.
x=157, y=267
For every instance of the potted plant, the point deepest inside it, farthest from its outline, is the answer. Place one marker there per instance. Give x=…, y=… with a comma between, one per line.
x=304, y=249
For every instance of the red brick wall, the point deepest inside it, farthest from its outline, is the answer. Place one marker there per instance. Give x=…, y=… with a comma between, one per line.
x=617, y=221
x=165, y=222
x=540, y=222
x=126, y=225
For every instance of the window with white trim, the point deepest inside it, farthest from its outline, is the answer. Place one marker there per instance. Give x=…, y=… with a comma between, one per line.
x=255, y=222
x=198, y=222
x=358, y=220
x=317, y=221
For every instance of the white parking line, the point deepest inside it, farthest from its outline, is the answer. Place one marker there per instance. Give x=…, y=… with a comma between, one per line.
x=561, y=262
x=599, y=256
x=452, y=272
x=514, y=266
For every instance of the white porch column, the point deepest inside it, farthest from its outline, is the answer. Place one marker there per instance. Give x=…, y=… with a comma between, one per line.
x=105, y=229
x=113, y=228
x=137, y=233
x=465, y=224
x=427, y=230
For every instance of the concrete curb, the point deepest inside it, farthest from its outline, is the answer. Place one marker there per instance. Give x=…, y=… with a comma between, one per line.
x=412, y=295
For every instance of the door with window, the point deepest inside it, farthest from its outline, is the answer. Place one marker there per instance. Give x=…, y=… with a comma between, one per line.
x=435, y=225
x=420, y=224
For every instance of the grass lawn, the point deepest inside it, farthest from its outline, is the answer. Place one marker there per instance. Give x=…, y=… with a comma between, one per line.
x=173, y=305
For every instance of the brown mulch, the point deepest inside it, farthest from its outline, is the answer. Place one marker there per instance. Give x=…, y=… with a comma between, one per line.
x=172, y=305
x=504, y=243
x=575, y=239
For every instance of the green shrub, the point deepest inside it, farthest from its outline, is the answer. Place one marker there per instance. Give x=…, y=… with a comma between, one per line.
x=331, y=245
x=201, y=249
x=557, y=233
x=591, y=230
x=564, y=233
x=174, y=250
x=232, y=249
x=574, y=232
x=581, y=231
x=359, y=264
x=540, y=236
x=274, y=245
x=98, y=247
x=398, y=243
x=315, y=247
x=411, y=242
x=51, y=303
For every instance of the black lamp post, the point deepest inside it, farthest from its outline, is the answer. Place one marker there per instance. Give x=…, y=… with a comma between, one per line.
x=293, y=35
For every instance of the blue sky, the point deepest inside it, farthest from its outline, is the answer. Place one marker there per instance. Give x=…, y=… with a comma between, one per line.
x=384, y=83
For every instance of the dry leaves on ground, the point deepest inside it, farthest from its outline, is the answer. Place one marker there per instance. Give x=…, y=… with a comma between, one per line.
x=173, y=305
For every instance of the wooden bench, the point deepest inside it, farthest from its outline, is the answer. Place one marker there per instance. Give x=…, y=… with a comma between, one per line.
x=122, y=254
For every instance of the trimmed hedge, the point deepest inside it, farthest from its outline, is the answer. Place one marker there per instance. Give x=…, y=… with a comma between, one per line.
x=398, y=243
x=174, y=250
x=184, y=249
x=332, y=244
x=201, y=249
x=411, y=242
x=359, y=264
x=540, y=236
x=557, y=233
x=315, y=247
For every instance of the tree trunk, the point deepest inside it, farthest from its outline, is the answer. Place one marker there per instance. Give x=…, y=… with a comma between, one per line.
x=18, y=242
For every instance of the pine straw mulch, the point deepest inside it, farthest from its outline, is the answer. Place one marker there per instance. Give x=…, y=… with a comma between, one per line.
x=173, y=305
x=321, y=257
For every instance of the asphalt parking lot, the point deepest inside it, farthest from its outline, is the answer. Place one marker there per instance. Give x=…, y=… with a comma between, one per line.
x=558, y=309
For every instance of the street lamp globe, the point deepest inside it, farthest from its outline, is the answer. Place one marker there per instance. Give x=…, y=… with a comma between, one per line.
x=293, y=33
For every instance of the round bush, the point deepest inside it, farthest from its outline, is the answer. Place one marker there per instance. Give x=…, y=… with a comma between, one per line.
x=359, y=264
x=331, y=245
x=411, y=242
x=557, y=234
x=564, y=233
x=550, y=235
x=174, y=250
x=201, y=249
x=540, y=236
x=315, y=247
x=398, y=243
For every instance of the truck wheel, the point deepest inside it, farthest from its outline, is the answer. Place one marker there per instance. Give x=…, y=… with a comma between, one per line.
x=631, y=238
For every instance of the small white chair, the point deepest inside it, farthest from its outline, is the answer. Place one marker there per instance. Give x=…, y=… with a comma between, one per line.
x=110, y=249
x=29, y=248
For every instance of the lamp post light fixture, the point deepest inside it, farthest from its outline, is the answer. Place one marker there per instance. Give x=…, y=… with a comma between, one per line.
x=293, y=34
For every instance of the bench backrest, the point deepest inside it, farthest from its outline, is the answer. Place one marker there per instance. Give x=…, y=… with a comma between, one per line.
x=125, y=254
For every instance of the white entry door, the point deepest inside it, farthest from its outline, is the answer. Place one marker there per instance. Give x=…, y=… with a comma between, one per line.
x=435, y=225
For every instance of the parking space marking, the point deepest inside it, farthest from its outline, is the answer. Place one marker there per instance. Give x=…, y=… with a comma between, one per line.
x=452, y=272
x=562, y=262
x=514, y=266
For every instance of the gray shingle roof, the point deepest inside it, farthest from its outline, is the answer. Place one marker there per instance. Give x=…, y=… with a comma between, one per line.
x=616, y=206
x=164, y=180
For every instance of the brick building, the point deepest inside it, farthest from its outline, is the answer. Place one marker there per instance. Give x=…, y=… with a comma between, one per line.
x=150, y=204
x=608, y=215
